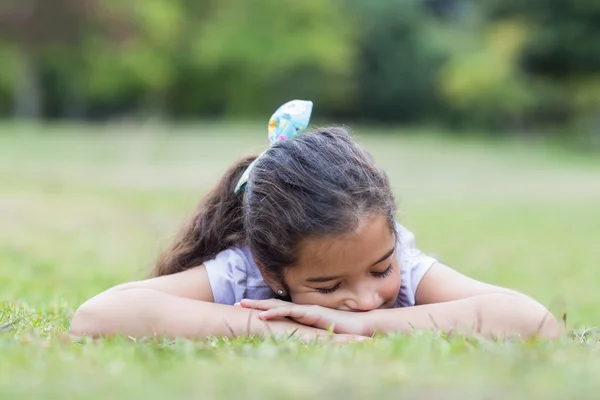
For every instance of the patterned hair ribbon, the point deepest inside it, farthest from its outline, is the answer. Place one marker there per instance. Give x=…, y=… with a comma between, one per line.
x=286, y=123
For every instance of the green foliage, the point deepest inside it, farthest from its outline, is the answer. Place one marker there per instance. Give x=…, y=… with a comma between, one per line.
x=564, y=52
x=8, y=53
x=258, y=50
x=398, y=56
x=483, y=81
x=560, y=57
x=494, y=64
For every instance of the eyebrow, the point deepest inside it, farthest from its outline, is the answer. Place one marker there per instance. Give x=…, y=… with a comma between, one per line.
x=331, y=278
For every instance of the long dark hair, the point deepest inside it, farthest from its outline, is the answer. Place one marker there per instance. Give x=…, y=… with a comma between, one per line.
x=318, y=184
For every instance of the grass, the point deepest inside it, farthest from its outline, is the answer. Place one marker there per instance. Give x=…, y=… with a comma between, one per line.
x=84, y=208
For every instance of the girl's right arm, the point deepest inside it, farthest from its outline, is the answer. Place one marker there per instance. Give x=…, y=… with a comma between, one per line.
x=177, y=305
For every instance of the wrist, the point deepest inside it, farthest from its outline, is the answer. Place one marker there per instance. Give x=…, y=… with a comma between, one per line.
x=248, y=324
x=276, y=327
x=376, y=321
x=365, y=322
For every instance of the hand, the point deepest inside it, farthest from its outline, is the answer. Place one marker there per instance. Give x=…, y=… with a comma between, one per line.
x=284, y=328
x=340, y=322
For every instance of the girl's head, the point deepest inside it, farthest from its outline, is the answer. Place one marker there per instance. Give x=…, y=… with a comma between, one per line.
x=318, y=216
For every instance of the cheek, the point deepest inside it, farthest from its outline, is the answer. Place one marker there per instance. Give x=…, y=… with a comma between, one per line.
x=330, y=300
x=390, y=287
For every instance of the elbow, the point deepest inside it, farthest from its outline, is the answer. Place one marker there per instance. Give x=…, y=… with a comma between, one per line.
x=548, y=328
x=85, y=321
x=97, y=316
x=509, y=315
x=120, y=312
x=536, y=320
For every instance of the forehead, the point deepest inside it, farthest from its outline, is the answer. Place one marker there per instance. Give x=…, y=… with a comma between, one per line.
x=339, y=253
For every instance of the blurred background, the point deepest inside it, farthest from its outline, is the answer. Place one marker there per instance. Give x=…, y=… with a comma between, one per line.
x=519, y=67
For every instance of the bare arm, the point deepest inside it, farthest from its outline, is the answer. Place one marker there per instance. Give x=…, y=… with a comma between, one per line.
x=178, y=305
x=452, y=302
x=442, y=283
x=493, y=315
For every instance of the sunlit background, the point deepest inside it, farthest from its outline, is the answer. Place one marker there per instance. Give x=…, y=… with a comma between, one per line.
x=116, y=117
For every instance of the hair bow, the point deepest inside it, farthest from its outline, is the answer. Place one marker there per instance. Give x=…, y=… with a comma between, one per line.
x=286, y=123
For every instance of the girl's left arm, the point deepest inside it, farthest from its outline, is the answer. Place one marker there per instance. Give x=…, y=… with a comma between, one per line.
x=449, y=301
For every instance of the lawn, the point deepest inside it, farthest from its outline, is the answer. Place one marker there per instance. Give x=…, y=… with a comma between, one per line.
x=84, y=208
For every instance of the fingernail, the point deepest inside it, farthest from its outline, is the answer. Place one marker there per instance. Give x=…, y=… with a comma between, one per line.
x=237, y=304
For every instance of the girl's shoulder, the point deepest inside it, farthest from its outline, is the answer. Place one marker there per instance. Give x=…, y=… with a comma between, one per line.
x=233, y=276
x=414, y=264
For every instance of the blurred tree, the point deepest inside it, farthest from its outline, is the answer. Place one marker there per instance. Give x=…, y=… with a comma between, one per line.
x=138, y=69
x=527, y=63
x=482, y=81
x=254, y=55
x=398, y=56
x=35, y=30
x=190, y=58
x=562, y=55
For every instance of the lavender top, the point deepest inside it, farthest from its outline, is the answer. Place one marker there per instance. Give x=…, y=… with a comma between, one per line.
x=233, y=274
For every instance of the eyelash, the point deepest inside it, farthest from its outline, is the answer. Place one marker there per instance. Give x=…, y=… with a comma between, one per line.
x=328, y=290
x=375, y=274
x=385, y=273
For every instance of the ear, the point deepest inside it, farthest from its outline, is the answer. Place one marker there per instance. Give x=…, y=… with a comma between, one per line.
x=274, y=281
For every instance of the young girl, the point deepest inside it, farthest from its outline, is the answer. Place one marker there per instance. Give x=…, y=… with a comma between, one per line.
x=303, y=240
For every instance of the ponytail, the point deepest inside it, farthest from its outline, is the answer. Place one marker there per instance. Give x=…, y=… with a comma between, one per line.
x=216, y=225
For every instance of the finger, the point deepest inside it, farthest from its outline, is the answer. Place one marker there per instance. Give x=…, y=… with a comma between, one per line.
x=295, y=312
x=301, y=314
x=262, y=304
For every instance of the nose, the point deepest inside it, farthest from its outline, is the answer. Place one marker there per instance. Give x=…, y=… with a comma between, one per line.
x=364, y=301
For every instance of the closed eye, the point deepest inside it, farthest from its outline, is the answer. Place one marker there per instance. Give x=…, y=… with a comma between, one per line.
x=385, y=273
x=329, y=289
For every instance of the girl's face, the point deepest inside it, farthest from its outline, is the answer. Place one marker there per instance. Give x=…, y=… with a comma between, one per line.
x=354, y=272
